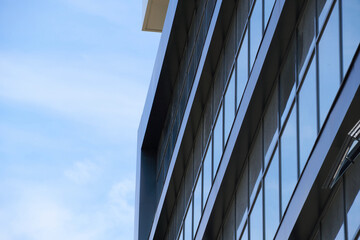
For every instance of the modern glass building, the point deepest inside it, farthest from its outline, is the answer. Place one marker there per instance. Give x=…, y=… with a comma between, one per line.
x=251, y=123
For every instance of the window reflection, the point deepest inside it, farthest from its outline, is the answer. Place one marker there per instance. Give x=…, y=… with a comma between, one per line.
x=242, y=69
x=351, y=31
x=329, y=64
x=268, y=8
x=218, y=140
x=197, y=203
x=255, y=162
x=272, y=197
x=256, y=220
x=229, y=106
x=188, y=224
x=255, y=30
x=207, y=173
x=241, y=201
x=307, y=115
x=288, y=160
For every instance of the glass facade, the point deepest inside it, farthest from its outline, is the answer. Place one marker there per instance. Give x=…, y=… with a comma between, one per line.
x=297, y=107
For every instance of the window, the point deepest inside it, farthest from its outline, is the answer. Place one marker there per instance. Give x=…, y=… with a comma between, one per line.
x=270, y=125
x=197, y=203
x=255, y=162
x=207, y=173
x=288, y=160
x=229, y=225
x=218, y=141
x=269, y=4
x=271, y=188
x=329, y=64
x=241, y=201
x=229, y=106
x=256, y=219
x=307, y=115
x=242, y=69
x=188, y=223
x=351, y=31
x=255, y=30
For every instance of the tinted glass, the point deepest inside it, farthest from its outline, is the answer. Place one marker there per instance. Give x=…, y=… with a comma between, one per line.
x=329, y=65
x=241, y=15
x=288, y=160
x=242, y=69
x=255, y=162
x=351, y=31
x=218, y=141
x=323, y=7
x=207, y=173
x=287, y=83
x=181, y=236
x=188, y=224
x=256, y=220
x=269, y=4
x=229, y=106
x=306, y=34
x=332, y=225
x=229, y=225
x=270, y=125
x=352, y=192
x=255, y=30
x=197, y=203
x=245, y=235
x=241, y=201
x=272, y=198
x=307, y=115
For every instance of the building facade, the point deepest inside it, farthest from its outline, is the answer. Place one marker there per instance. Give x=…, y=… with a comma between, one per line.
x=249, y=129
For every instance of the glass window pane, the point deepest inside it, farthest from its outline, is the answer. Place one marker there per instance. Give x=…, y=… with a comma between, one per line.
x=218, y=140
x=229, y=225
x=287, y=83
x=332, y=225
x=306, y=34
x=256, y=220
x=271, y=187
x=207, y=173
x=352, y=192
x=323, y=7
x=351, y=31
x=270, y=125
x=288, y=160
x=188, y=224
x=269, y=4
x=329, y=65
x=241, y=199
x=181, y=236
x=245, y=235
x=307, y=115
x=255, y=162
x=197, y=203
x=241, y=15
x=229, y=106
x=255, y=30
x=242, y=69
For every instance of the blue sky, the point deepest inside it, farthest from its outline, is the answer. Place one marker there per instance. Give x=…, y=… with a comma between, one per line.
x=73, y=80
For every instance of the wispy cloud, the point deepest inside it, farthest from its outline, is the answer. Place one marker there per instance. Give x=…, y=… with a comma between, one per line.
x=83, y=172
x=40, y=213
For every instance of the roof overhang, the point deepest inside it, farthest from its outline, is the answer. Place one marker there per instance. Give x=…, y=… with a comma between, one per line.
x=154, y=12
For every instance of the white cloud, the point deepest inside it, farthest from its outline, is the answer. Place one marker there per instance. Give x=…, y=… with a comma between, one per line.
x=38, y=212
x=107, y=100
x=83, y=172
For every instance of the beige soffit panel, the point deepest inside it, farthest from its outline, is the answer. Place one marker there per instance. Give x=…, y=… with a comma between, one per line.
x=154, y=12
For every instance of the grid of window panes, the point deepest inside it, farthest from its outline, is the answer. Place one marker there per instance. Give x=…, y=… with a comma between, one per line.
x=218, y=115
x=307, y=85
x=340, y=219
x=191, y=56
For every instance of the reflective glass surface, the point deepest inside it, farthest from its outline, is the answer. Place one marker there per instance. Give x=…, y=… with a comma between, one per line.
x=245, y=235
x=255, y=30
x=207, y=173
x=188, y=224
x=229, y=105
x=229, y=225
x=255, y=162
x=271, y=189
x=241, y=201
x=256, y=220
x=269, y=4
x=197, y=203
x=329, y=64
x=242, y=69
x=288, y=160
x=270, y=125
x=218, y=141
x=351, y=31
x=307, y=115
